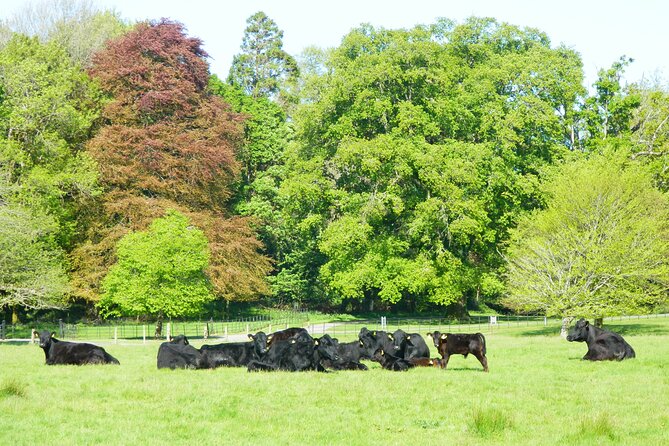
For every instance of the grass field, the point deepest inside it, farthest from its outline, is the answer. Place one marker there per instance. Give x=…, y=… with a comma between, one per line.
x=538, y=392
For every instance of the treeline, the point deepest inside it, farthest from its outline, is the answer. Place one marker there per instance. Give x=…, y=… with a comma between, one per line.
x=442, y=167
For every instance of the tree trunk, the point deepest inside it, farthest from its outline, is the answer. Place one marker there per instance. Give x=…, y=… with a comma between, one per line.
x=159, y=326
x=565, y=326
x=15, y=315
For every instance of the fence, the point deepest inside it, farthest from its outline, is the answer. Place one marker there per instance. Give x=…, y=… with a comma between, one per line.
x=142, y=331
x=222, y=329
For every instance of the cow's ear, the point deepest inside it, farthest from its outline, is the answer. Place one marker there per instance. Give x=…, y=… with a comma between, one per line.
x=361, y=344
x=408, y=338
x=250, y=336
x=315, y=341
x=269, y=338
x=53, y=333
x=382, y=352
x=391, y=337
x=443, y=336
x=586, y=324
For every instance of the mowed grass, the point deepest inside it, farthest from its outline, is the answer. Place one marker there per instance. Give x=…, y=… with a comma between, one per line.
x=538, y=392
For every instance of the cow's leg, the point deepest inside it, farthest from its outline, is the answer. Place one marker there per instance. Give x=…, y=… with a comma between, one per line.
x=482, y=359
x=444, y=362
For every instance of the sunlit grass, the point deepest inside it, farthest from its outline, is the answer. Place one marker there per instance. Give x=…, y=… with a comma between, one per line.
x=538, y=391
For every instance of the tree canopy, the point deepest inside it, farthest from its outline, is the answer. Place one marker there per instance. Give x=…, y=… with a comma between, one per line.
x=599, y=248
x=417, y=150
x=263, y=65
x=167, y=143
x=160, y=272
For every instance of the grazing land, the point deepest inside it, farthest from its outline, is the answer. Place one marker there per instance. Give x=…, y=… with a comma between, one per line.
x=538, y=391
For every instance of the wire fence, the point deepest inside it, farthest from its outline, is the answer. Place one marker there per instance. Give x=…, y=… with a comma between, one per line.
x=127, y=330
x=122, y=329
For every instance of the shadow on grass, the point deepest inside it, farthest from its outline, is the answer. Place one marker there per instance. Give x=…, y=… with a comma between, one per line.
x=638, y=329
x=631, y=328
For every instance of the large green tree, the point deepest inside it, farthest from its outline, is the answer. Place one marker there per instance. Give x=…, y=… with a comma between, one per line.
x=32, y=275
x=160, y=271
x=417, y=152
x=48, y=107
x=262, y=66
x=599, y=248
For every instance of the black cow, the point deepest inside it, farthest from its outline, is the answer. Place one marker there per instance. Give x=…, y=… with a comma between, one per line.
x=390, y=362
x=349, y=354
x=179, y=354
x=299, y=353
x=76, y=353
x=410, y=345
x=396, y=364
x=288, y=333
x=236, y=354
x=374, y=340
x=461, y=344
x=602, y=344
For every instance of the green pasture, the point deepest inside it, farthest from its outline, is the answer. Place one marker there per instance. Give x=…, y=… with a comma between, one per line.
x=538, y=392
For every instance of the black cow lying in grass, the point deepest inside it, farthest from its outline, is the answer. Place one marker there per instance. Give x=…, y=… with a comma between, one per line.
x=390, y=362
x=299, y=353
x=461, y=344
x=602, y=344
x=76, y=353
x=179, y=354
x=372, y=341
x=236, y=354
x=349, y=354
x=410, y=345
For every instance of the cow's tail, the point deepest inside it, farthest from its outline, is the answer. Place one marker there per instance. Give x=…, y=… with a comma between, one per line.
x=480, y=335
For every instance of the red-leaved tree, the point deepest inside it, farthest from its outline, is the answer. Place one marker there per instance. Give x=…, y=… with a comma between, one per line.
x=166, y=143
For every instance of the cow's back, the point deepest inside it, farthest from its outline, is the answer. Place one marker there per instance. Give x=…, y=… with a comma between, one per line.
x=78, y=353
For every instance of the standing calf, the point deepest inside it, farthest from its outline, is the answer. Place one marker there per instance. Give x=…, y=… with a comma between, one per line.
x=462, y=344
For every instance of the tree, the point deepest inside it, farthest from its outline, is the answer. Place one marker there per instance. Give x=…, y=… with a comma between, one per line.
x=48, y=107
x=416, y=151
x=79, y=26
x=609, y=112
x=649, y=135
x=32, y=274
x=160, y=272
x=598, y=248
x=263, y=64
x=167, y=144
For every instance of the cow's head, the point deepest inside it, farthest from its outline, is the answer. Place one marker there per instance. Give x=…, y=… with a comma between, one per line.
x=399, y=340
x=45, y=338
x=580, y=331
x=368, y=342
x=260, y=344
x=327, y=347
x=435, y=336
x=379, y=356
x=179, y=340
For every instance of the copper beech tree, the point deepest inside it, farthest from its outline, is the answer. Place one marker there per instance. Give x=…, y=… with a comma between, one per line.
x=166, y=143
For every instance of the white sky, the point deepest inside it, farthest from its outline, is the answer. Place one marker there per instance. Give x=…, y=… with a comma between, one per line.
x=600, y=30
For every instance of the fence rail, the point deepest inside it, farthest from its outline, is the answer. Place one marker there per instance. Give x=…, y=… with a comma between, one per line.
x=222, y=329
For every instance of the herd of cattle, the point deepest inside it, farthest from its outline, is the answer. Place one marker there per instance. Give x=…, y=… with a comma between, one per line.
x=294, y=349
